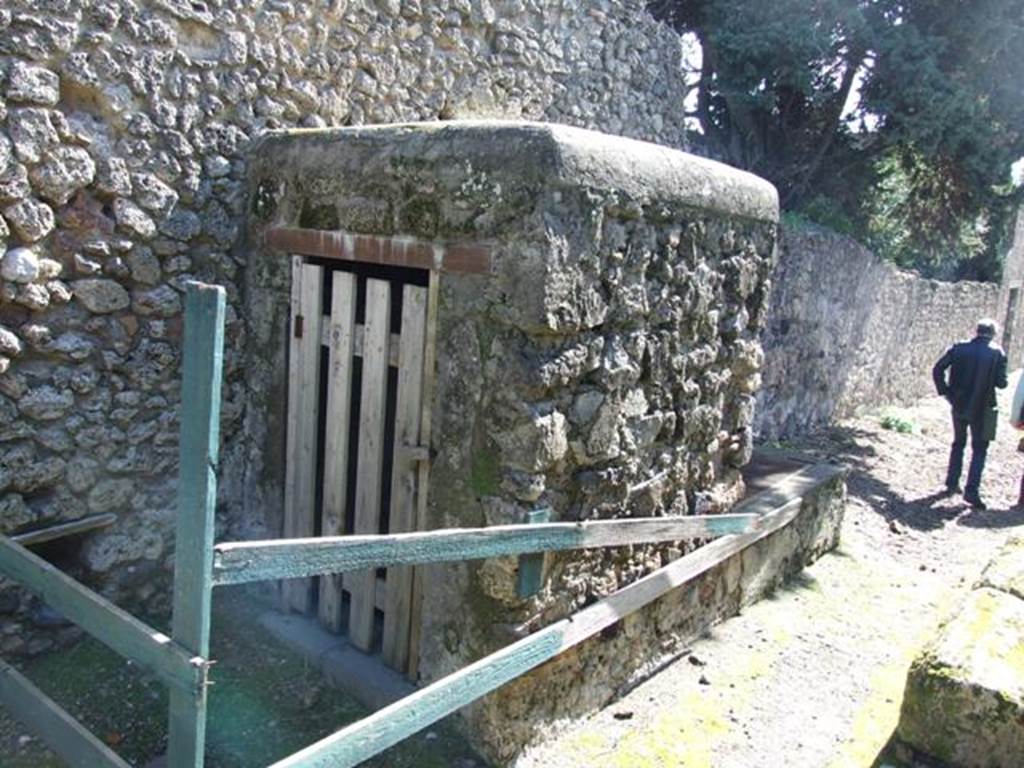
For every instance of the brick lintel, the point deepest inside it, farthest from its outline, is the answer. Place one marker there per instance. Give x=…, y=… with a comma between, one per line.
x=466, y=258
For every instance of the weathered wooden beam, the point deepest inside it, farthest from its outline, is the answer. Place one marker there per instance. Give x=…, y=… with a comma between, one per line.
x=51, y=723
x=340, y=327
x=240, y=562
x=472, y=258
x=151, y=650
x=386, y=727
x=197, y=499
x=303, y=417
x=404, y=473
x=423, y=480
x=62, y=530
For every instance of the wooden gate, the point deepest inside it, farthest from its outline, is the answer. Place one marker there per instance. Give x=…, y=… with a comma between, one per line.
x=359, y=371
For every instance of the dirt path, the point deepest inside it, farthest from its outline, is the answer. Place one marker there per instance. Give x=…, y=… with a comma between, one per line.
x=813, y=677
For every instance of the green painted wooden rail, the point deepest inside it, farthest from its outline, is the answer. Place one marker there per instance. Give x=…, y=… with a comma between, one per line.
x=181, y=660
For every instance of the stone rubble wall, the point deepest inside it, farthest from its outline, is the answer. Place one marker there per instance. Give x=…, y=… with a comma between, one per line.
x=847, y=331
x=124, y=128
x=597, y=672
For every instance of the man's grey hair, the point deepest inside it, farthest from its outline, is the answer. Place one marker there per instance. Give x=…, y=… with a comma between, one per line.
x=987, y=328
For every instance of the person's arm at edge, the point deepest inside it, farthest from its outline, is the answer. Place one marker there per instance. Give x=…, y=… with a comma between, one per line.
x=939, y=373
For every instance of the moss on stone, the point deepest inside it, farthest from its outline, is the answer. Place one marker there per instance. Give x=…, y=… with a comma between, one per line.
x=419, y=216
x=483, y=473
x=319, y=217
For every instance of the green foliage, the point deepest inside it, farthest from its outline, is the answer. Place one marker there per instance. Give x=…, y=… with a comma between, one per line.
x=921, y=166
x=897, y=422
x=483, y=472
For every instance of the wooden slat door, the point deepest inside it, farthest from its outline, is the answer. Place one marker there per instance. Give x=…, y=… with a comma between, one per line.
x=380, y=348
x=370, y=472
x=404, y=472
x=341, y=347
x=303, y=418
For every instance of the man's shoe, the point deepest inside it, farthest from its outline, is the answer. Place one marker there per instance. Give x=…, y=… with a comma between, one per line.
x=975, y=501
x=952, y=490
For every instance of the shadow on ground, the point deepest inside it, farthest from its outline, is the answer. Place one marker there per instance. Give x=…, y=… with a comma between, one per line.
x=851, y=445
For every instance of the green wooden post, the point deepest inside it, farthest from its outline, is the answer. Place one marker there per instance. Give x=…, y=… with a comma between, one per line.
x=197, y=496
x=531, y=567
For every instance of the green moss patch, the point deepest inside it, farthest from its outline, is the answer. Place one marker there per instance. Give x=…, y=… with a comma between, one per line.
x=265, y=703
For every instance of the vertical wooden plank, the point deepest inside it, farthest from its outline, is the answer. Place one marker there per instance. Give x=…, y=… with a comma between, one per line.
x=405, y=472
x=370, y=463
x=341, y=339
x=292, y=418
x=197, y=498
x=422, y=485
x=303, y=418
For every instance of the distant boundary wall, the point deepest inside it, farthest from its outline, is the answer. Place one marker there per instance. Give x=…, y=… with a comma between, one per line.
x=847, y=331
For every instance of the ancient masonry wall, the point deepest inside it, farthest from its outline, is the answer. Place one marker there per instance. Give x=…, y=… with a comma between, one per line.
x=847, y=331
x=603, y=367
x=124, y=125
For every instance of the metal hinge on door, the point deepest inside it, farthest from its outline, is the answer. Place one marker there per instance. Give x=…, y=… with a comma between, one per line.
x=298, y=326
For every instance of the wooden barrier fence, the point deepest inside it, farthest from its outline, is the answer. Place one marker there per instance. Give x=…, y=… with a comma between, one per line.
x=181, y=660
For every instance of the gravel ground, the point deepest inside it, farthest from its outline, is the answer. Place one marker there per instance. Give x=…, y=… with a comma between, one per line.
x=813, y=677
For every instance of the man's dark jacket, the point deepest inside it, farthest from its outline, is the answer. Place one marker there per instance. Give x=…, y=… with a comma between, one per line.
x=977, y=369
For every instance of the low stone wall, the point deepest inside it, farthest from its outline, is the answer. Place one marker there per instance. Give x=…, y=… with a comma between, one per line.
x=846, y=331
x=596, y=672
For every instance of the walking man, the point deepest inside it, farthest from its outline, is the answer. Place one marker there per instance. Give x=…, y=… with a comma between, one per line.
x=976, y=369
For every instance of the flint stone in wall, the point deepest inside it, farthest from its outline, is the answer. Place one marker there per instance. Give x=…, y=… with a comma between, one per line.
x=104, y=552
x=46, y=403
x=145, y=266
x=603, y=441
x=32, y=85
x=30, y=219
x=20, y=265
x=182, y=225
x=110, y=495
x=63, y=172
x=113, y=178
x=6, y=153
x=14, y=513
x=34, y=296
x=10, y=344
x=162, y=302
x=32, y=132
x=49, y=269
x=38, y=475
x=21, y=470
x=14, y=183
x=101, y=296
x=73, y=345
x=585, y=406
x=536, y=445
x=133, y=219
x=152, y=194
x=217, y=166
